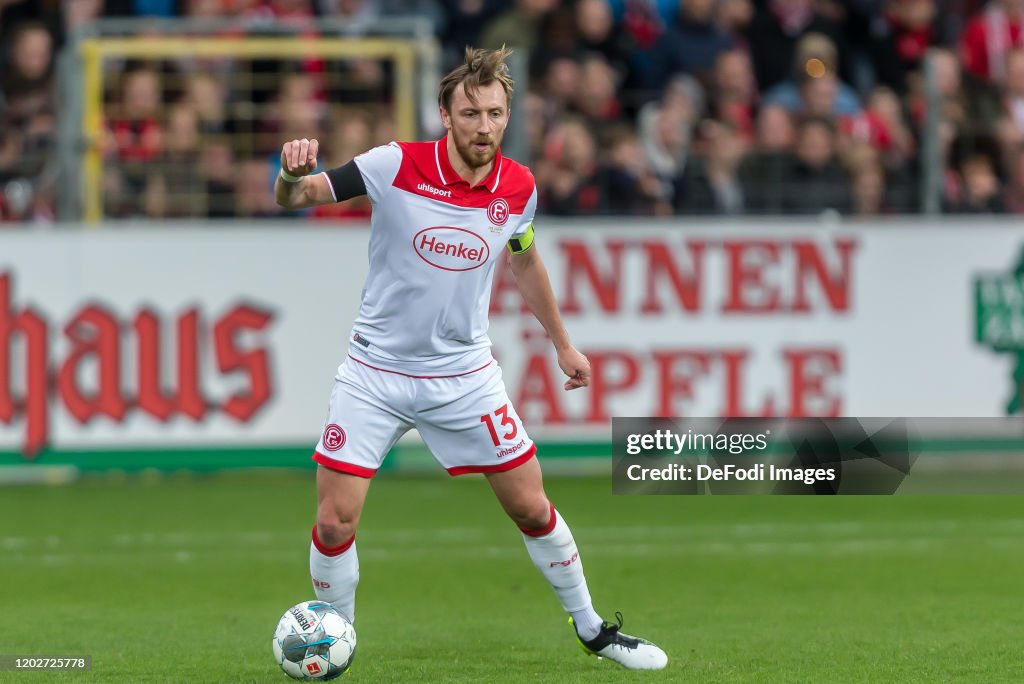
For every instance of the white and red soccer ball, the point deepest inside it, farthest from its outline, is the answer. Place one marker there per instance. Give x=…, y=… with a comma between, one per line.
x=314, y=641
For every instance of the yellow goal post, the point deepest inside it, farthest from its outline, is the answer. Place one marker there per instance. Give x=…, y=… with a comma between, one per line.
x=94, y=52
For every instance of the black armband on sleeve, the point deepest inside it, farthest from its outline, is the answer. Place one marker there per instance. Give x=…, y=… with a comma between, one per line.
x=346, y=182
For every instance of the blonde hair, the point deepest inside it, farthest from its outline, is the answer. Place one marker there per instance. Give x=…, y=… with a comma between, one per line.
x=482, y=68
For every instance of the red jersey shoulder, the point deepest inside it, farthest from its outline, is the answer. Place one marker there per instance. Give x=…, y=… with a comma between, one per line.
x=418, y=172
x=417, y=152
x=516, y=184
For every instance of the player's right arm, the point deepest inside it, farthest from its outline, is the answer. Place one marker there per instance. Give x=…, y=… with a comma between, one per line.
x=295, y=188
x=298, y=159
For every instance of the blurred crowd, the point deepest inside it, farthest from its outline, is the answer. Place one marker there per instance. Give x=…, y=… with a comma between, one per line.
x=634, y=107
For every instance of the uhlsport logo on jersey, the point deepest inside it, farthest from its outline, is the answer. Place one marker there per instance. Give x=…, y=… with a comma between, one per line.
x=450, y=248
x=497, y=211
x=436, y=192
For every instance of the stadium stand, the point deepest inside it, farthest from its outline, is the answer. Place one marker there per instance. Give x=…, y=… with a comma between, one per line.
x=633, y=107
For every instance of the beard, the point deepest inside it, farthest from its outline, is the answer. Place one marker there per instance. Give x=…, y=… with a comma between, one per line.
x=474, y=157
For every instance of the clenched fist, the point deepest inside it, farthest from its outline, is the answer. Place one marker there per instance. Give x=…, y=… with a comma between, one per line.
x=298, y=157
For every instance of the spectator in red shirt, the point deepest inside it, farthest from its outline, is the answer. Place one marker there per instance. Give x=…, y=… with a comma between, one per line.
x=989, y=35
x=901, y=37
x=734, y=92
x=136, y=129
x=567, y=177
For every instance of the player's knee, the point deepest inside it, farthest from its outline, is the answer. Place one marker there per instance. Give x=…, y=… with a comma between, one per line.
x=530, y=514
x=335, y=528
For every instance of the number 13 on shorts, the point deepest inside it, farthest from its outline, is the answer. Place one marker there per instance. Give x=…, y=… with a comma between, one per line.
x=504, y=422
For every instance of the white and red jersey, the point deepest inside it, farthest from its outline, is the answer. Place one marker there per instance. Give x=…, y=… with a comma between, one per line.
x=434, y=242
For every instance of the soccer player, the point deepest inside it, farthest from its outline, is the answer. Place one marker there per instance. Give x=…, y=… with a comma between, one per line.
x=419, y=355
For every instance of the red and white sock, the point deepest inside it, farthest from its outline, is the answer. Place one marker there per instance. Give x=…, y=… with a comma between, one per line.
x=334, y=571
x=554, y=552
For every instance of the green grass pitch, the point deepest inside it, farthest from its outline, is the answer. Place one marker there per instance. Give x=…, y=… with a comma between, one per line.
x=182, y=579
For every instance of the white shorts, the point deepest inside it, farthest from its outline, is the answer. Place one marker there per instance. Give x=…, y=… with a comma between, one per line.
x=467, y=421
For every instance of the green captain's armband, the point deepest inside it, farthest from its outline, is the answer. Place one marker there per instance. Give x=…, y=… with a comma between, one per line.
x=518, y=245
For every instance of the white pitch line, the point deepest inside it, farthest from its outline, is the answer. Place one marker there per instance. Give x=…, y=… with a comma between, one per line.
x=818, y=532
x=373, y=554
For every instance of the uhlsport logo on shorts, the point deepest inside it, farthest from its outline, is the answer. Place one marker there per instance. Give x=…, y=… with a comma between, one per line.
x=450, y=248
x=497, y=211
x=334, y=437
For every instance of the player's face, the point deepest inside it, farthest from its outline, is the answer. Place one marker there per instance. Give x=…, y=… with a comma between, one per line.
x=477, y=127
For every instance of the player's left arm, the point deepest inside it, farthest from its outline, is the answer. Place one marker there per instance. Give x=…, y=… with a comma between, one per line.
x=533, y=282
